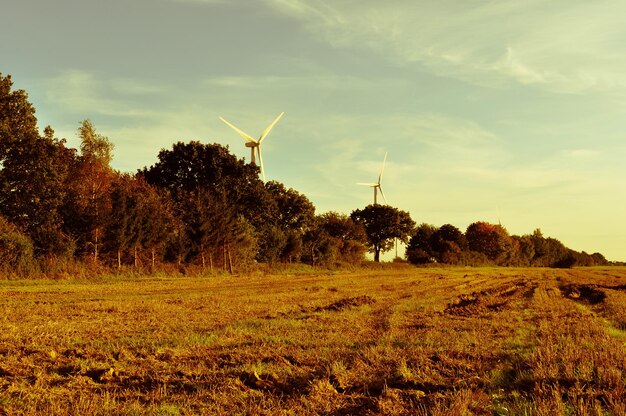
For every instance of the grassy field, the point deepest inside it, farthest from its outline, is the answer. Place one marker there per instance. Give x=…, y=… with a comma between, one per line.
x=395, y=342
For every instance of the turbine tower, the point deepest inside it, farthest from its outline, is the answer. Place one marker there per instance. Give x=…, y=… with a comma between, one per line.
x=255, y=145
x=376, y=185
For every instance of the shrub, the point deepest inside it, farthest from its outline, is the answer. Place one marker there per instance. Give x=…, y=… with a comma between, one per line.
x=16, y=249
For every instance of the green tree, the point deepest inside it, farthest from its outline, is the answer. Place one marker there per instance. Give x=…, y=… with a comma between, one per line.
x=16, y=249
x=448, y=244
x=120, y=232
x=294, y=215
x=139, y=218
x=419, y=250
x=271, y=242
x=17, y=117
x=33, y=173
x=348, y=237
x=383, y=224
x=217, y=196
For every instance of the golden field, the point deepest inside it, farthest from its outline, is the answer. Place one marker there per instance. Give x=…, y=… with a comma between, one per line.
x=396, y=341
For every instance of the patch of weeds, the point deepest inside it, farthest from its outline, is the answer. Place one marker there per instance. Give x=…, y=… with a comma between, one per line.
x=167, y=410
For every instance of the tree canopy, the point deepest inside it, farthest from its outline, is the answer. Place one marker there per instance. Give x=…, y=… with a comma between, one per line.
x=383, y=224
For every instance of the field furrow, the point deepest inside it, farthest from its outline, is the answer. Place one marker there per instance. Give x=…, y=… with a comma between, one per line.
x=395, y=342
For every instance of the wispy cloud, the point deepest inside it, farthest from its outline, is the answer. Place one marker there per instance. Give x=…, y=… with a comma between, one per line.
x=86, y=95
x=565, y=46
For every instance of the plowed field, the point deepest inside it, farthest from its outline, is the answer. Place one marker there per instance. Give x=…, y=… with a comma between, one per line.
x=458, y=341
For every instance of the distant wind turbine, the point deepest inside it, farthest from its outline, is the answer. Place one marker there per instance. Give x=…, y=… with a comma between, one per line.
x=255, y=144
x=376, y=185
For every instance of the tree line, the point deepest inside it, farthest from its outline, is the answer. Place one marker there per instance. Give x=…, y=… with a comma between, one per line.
x=490, y=244
x=198, y=205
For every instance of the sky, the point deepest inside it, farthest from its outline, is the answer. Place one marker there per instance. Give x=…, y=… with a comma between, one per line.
x=510, y=111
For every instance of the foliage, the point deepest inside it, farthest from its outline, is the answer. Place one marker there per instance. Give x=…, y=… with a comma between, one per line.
x=16, y=249
x=139, y=218
x=89, y=194
x=419, y=250
x=17, y=117
x=347, y=236
x=210, y=190
x=382, y=225
x=490, y=239
x=33, y=173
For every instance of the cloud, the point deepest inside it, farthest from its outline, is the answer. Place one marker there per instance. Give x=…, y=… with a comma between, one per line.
x=85, y=94
x=564, y=46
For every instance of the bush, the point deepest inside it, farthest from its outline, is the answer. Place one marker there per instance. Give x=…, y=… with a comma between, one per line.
x=16, y=249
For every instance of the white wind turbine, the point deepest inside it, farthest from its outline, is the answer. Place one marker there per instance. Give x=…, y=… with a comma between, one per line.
x=255, y=144
x=376, y=185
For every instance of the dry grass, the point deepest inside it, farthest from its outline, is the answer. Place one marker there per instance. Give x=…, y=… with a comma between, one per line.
x=395, y=342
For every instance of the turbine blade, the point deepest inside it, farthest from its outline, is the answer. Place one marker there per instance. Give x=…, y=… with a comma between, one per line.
x=372, y=184
x=383, y=194
x=261, y=163
x=241, y=133
x=268, y=128
x=383, y=168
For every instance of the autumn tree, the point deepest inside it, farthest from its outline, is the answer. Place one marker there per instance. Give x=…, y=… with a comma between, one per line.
x=90, y=182
x=492, y=240
x=383, y=224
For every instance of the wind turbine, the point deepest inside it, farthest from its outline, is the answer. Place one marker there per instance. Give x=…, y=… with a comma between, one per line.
x=376, y=185
x=255, y=144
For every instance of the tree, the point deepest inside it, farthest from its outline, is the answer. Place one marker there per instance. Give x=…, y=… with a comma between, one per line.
x=33, y=173
x=16, y=249
x=334, y=238
x=216, y=196
x=599, y=259
x=419, y=250
x=448, y=243
x=383, y=224
x=90, y=182
x=139, y=218
x=349, y=238
x=295, y=211
x=525, y=252
x=294, y=214
x=195, y=167
x=17, y=117
x=490, y=239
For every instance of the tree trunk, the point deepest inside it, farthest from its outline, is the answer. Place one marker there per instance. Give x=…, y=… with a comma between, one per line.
x=203, y=261
x=224, y=253
x=377, y=254
x=153, y=257
x=312, y=257
x=119, y=259
x=95, y=248
x=211, y=262
x=135, y=255
x=230, y=260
